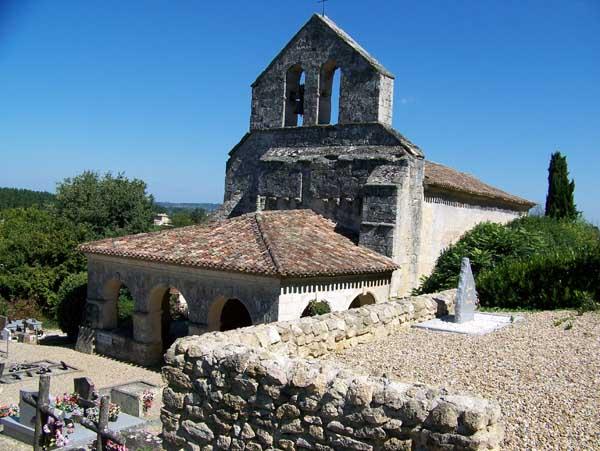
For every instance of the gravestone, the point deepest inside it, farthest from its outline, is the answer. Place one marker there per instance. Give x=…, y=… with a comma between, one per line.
x=86, y=340
x=466, y=296
x=84, y=388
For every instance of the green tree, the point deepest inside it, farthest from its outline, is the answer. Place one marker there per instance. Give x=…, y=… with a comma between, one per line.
x=181, y=219
x=109, y=205
x=38, y=249
x=559, y=201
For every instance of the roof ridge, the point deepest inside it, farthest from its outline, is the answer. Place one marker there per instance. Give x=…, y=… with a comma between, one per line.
x=342, y=34
x=267, y=243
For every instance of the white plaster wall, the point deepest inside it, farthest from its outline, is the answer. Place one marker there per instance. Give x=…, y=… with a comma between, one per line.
x=339, y=293
x=444, y=223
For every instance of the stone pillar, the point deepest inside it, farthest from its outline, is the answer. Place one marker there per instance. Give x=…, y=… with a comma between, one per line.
x=147, y=327
x=101, y=313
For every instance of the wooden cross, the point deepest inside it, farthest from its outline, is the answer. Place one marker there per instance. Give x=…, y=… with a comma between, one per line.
x=323, y=3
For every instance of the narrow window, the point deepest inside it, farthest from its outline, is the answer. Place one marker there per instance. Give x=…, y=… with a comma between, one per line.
x=329, y=93
x=294, y=96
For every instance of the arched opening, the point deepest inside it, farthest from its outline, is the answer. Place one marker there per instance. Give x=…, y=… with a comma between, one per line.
x=315, y=308
x=294, y=96
x=125, y=309
x=361, y=300
x=330, y=82
x=234, y=315
x=174, y=317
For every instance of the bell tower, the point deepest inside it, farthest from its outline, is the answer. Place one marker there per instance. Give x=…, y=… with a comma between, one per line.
x=297, y=84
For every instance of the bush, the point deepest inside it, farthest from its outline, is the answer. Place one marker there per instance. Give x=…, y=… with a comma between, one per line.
x=70, y=307
x=315, y=308
x=20, y=309
x=488, y=244
x=546, y=281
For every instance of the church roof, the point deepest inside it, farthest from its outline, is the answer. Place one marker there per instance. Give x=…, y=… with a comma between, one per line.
x=325, y=21
x=292, y=243
x=440, y=176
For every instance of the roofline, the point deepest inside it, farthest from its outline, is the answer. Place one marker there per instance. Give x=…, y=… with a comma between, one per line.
x=342, y=34
x=515, y=202
x=277, y=275
x=412, y=149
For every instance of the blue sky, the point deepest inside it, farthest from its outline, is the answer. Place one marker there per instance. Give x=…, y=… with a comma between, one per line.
x=161, y=89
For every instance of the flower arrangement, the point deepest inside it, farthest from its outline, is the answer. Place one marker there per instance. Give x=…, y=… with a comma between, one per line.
x=93, y=413
x=109, y=445
x=67, y=402
x=9, y=410
x=147, y=400
x=112, y=446
x=56, y=433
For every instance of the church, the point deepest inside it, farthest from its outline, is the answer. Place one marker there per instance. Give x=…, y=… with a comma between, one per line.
x=361, y=173
x=318, y=206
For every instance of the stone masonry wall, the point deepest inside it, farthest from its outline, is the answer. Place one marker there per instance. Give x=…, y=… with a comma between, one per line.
x=252, y=389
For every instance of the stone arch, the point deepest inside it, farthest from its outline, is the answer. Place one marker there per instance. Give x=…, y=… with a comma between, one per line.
x=113, y=290
x=361, y=300
x=294, y=95
x=330, y=85
x=226, y=314
x=156, y=324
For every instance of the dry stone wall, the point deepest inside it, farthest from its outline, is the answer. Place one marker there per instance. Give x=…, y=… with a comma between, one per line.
x=253, y=389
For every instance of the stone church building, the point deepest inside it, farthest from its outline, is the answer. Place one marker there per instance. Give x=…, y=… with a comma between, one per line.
x=348, y=212
x=369, y=179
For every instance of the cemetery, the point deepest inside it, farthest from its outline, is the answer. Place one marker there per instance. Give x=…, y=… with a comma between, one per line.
x=220, y=348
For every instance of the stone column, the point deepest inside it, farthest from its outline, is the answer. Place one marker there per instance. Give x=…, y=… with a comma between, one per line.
x=101, y=313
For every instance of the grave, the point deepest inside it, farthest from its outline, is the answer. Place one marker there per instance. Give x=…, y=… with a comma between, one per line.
x=466, y=319
x=129, y=397
x=22, y=428
x=19, y=372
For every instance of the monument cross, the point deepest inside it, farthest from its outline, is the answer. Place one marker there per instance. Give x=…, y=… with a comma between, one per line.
x=322, y=2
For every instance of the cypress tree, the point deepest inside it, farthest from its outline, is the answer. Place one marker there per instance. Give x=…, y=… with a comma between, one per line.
x=560, y=202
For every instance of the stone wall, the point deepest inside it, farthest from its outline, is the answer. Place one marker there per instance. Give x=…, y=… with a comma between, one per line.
x=251, y=389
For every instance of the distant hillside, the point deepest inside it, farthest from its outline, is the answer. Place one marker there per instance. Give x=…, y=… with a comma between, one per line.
x=15, y=198
x=173, y=206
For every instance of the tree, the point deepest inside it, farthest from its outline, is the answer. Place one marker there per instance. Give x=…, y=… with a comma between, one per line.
x=109, y=205
x=38, y=249
x=560, y=202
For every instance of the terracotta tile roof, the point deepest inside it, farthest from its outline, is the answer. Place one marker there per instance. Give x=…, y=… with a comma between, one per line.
x=292, y=243
x=437, y=175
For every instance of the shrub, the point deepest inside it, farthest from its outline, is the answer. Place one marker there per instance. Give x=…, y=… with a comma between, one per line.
x=71, y=303
x=489, y=245
x=20, y=309
x=315, y=308
x=564, y=279
x=486, y=245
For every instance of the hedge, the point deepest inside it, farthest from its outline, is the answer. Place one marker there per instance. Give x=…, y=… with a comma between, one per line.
x=71, y=297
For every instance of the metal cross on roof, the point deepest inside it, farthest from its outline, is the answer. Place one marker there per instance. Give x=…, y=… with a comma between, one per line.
x=323, y=3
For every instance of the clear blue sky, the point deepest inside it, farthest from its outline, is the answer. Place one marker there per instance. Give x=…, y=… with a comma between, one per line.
x=160, y=89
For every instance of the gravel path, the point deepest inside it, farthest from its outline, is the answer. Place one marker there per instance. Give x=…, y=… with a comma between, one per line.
x=546, y=377
x=102, y=370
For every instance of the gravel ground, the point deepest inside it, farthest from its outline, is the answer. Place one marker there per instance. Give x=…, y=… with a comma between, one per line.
x=103, y=371
x=545, y=376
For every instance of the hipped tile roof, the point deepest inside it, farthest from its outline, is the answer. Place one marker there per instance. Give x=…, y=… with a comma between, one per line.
x=440, y=176
x=292, y=243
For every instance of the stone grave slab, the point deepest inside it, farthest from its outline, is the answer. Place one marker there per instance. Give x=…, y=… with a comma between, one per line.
x=32, y=370
x=129, y=397
x=481, y=324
